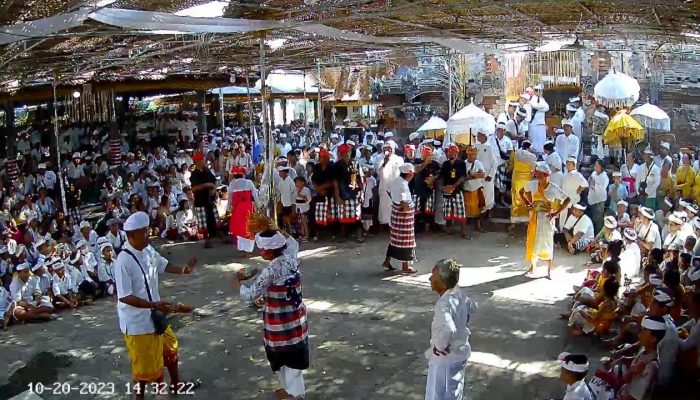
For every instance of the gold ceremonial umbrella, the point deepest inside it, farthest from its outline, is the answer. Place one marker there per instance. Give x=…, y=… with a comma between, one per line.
x=622, y=130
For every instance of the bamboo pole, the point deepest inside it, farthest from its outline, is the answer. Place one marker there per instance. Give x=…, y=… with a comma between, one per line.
x=58, y=151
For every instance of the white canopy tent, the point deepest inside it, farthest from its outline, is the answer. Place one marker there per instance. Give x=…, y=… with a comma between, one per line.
x=465, y=123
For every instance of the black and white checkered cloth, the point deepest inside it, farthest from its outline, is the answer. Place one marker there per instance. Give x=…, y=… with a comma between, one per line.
x=326, y=212
x=349, y=211
x=200, y=214
x=75, y=214
x=453, y=208
x=424, y=205
x=502, y=181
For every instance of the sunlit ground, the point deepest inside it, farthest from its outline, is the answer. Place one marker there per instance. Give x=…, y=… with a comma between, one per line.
x=368, y=329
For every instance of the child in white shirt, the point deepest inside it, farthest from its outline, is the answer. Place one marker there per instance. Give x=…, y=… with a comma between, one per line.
x=367, y=196
x=303, y=198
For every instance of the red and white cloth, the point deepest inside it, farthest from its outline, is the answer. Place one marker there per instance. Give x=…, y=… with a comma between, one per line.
x=402, y=227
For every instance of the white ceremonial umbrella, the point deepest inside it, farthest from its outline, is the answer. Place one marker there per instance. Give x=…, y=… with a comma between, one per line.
x=652, y=117
x=468, y=121
x=434, y=123
x=617, y=90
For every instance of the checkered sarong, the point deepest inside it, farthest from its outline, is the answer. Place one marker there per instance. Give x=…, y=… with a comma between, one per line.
x=503, y=180
x=453, y=208
x=402, y=228
x=349, y=211
x=326, y=212
x=582, y=243
x=75, y=214
x=425, y=205
x=200, y=214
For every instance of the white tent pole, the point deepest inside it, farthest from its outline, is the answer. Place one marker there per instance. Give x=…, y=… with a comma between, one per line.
x=223, y=119
x=269, y=141
x=306, y=116
x=320, y=103
x=449, y=79
x=58, y=151
x=250, y=107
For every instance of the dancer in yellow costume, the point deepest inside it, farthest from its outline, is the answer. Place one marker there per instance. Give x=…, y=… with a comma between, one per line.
x=523, y=163
x=540, y=197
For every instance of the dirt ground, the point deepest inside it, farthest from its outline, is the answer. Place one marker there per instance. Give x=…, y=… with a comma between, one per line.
x=368, y=329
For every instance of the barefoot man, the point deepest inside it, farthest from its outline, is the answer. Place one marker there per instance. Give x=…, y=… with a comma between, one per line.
x=151, y=342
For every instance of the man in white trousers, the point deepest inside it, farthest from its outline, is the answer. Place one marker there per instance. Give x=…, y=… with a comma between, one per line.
x=487, y=155
x=387, y=169
x=449, y=340
x=538, y=125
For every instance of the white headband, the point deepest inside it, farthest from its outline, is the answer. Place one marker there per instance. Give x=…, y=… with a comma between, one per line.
x=694, y=274
x=653, y=325
x=655, y=280
x=272, y=243
x=663, y=297
x=571, y=366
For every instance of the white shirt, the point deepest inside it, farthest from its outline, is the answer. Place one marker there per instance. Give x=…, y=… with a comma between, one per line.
x=74, y=171
x=61, y=286
x=598, y=191
x=539, y=104
x=578, y=391
x=399, y=191
x=650, y=233
x=471, y=185
x=21, y=291
x=570, y=183
x=287, y=191
x=48, y=179
x=451, y=315
x=301, y=202
x=368, y=188
x=652, y=176
x=388, y=172
x=129, y=277
x=105, y=270
x=505, y=145
x=554, y=162
x=487, y=157
x=567, y=146
x=118, y=240
x=583, y=225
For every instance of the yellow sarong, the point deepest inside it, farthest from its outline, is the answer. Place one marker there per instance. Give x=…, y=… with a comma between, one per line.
x=147, y=351
x=522, y=174
x=471, y=204
x=540, y=230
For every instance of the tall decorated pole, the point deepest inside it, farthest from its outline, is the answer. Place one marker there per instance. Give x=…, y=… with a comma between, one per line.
x=306, y=115
x=251, y=121
x=449, y=80
x=58, y=151
x=267, y=134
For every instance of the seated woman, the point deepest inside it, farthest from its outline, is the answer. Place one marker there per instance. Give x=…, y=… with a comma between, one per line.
x=593, y=277
x=586, y=320
x=186, y=222
x=599, y=246
x=593, y=296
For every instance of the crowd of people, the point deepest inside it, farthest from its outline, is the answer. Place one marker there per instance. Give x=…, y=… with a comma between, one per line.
x=162, y=179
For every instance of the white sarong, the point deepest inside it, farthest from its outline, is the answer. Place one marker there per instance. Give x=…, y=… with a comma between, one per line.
x=292, y=380
x=488, y=190
x=446, y=380
x=538, y=135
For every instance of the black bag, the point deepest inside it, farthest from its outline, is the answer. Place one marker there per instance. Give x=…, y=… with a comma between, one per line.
x=504, y=156
x=159, y=318
x=643, y=184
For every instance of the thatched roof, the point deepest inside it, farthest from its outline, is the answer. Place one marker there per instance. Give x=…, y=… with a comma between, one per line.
x=94, y=51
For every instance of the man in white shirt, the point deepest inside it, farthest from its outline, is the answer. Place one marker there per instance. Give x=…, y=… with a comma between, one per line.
x=573, y=183
x=578, y=230
x=509, y=113
x=387, y=168
x=502, y=147
x=524, y=105
x=567, y=144
x=74, y=170
x=136, y=274
x=517, y=127
x=597, y=194
x=472, y=183
x=554, y=162
x=579, y=117
x=449, y=334
x=47, y=179
x=648, y=234
x=287, y=194
x=574, y=370
x=538, y=125
x=486, y=155
x=664, y=149
x=648, y=178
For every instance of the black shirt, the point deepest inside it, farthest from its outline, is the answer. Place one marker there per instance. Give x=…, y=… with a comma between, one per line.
x=202, y=198
x=452, y=172
x=419, y=186
x=322, y=176
x=343, y=174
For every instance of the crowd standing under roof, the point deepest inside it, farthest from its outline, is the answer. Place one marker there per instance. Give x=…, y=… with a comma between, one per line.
x=166, y=180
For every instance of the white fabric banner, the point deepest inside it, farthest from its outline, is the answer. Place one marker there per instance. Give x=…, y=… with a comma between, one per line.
x=165, y=23
x=42, y=27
